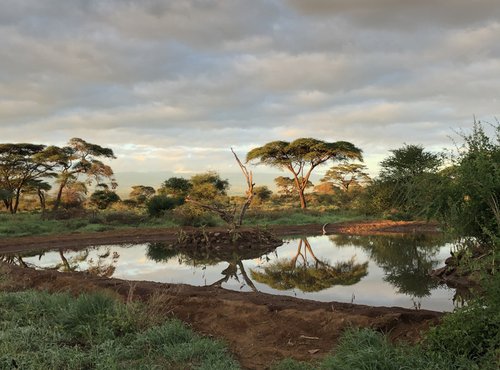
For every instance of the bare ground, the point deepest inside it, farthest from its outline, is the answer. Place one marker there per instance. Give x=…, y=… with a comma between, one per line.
x=259, y=328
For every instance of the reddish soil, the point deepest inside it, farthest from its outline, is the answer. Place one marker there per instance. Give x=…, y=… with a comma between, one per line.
x=259, y=328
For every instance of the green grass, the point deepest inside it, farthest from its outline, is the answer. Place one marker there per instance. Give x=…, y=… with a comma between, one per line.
x=299, y=217
x=94, y=331
x=26, y=224
x=467, y=339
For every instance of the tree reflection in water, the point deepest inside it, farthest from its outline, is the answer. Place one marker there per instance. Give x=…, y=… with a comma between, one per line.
x=161, y=252
x=309, y=274
x=103, y=265
x=406, y=260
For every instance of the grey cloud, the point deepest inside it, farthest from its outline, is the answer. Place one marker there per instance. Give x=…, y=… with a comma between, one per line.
x=153, y=78
x=404, y=14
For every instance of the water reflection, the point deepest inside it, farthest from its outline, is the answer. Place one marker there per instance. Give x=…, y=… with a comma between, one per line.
x=308, y=273
x=233, y=256
x=373, y=270
x=103, y=264
x=406, y=261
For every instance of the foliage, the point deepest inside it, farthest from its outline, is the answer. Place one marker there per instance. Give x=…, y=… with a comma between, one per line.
x=103, y=198
x=472, y=332
x=159, y=204
x=469, y=201
x=208, y=185
x=192, y=215
x=262, y=193
x=40, y=330
x=286, y=185
x=140, y=193
x=175, y=187
x=347, y=175
x=82, y=158
x=20, y=165
x=404, y=189
x=302, y=156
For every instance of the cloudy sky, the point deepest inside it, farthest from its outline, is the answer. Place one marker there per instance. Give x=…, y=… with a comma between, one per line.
x=172, y=85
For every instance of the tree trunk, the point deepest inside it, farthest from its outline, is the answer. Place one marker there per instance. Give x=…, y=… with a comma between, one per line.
x=303, y=203
x=16, y=203
x=300, y=190
x=41, y=196
x=59, y=196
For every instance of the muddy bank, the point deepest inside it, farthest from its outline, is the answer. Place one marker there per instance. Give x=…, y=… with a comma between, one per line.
x=145, y=235
x=259, y=328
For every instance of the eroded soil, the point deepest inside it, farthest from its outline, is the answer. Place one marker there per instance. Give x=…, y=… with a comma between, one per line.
x=259, y=328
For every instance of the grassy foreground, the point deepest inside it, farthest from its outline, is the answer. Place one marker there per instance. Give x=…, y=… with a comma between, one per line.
x=94, y=331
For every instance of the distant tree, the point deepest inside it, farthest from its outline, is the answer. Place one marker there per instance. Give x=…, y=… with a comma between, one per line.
x=175, y=187
x=407, y=177
x=208, y=184
x=102, y=198
x=286, y=185
x=82, y=158
x=22, y=163
x=74, y=194
x=40, y=188
x=262, y=193
x=302, y=156
x=158, y=204
x=346, y=175
x=408, y=162
x=140, y=193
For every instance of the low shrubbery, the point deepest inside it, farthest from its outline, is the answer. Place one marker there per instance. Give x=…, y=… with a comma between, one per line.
x=94, y=331
x=467, y=339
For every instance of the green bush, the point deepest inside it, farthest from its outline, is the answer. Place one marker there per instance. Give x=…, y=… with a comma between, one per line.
x=159, y=204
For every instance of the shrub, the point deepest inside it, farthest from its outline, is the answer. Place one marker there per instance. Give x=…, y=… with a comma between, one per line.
x=158, y=204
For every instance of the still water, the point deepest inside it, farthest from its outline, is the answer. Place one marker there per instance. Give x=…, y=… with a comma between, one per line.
x=371, y=270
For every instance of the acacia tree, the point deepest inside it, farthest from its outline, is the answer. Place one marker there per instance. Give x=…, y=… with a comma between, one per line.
x=141, y=193
x=81, y=158
x=346, y=175
x=22, y=163
x=40, y=188
x=286, y=185
x=302, y=156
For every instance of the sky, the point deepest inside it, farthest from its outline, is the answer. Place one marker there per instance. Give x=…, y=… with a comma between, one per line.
x=171, y=86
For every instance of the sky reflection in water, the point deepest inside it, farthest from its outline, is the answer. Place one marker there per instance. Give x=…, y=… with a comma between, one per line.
x=371, y=270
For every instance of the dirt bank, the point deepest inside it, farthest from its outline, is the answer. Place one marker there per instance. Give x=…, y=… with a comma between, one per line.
x=259, y=328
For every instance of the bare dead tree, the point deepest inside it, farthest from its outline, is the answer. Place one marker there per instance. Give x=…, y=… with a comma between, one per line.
x=228, y=214
x=249, y=192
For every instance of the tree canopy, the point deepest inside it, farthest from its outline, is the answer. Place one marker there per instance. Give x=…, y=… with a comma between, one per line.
x=302, y=156
x=21, y=164
x=346, y=175
x=82, y=158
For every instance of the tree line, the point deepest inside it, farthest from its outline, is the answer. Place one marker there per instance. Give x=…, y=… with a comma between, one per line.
x=26, y=167
x=462, y=190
